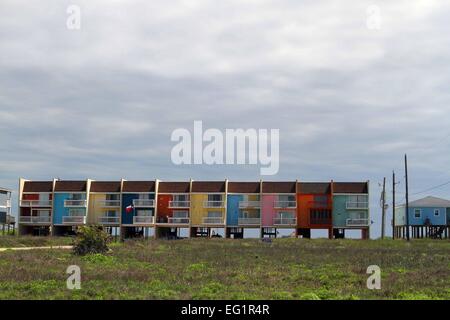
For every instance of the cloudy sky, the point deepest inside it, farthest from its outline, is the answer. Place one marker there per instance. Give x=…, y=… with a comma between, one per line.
x=349, y=97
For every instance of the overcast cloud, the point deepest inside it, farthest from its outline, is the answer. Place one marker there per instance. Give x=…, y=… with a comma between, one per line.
x=101, y=102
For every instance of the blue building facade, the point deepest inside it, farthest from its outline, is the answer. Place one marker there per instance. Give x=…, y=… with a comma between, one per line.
x=428, y=211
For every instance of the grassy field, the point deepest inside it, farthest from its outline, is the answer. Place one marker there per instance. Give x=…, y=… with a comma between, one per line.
x=230, y=269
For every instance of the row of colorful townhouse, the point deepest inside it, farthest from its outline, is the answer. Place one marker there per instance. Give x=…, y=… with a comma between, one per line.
x=428, y=217
x=59, y=207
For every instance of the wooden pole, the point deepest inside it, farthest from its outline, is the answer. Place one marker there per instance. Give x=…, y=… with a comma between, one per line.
x=383, y=209
x=407, y=198
x=393, y=204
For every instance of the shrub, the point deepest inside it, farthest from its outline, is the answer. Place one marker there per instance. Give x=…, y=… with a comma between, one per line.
x=91, y=239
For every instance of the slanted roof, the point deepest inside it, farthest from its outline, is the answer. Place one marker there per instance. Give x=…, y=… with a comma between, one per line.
x=139, y=186
x=243, y=187
x=70, y=186
x=430, y=202
x=38, y=186
x=208, y=186
x=279, y=187
x=105, y=186
x=350, y=187
x=314, y=187
x=174, y=187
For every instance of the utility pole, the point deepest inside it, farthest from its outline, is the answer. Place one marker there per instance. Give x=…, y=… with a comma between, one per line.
x=383, y=208
x=406, y=197
x=393, y=204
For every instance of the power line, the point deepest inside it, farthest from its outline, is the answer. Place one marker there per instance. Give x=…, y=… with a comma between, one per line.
x=431, y=188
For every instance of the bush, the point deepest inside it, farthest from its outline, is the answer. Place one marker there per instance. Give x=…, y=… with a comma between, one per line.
x=91, y=239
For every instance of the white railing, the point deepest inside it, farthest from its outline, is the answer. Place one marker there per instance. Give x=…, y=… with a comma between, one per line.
x=357, y=222
x=36, y=203
x=284, y=221
x=34, y=219
x=357, y=205
x=213, y=220
x=145, y=203
x=108, y=220
x=179, y=204
x=109, y=203
x=75, y=203
x=213, y=204
x=249, y=204
x=180, y=220
x=74, y=220
x=285, y=204
x=251, y=221
x=143, y=220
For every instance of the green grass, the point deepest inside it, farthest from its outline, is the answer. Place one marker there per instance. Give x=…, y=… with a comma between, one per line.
x=233, y=269
x=11, y=241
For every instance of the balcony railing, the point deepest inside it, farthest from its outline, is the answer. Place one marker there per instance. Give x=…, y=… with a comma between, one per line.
x=213, y=204
x=109, y=203
x=35, y=219
x=74, y=220
x=357, y=205
x=108, y=220
x=180, y=220
x=143, y=220
x=75, y=203
x=284, y=221
x=249, y=204
x=179, y=204
x=144, y=203
x=285, y=204
x=36, y=203
x=249, y=221
x=357, y=222
x=213, y=220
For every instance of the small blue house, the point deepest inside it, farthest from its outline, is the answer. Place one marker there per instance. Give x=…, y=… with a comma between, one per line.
x=429, y=211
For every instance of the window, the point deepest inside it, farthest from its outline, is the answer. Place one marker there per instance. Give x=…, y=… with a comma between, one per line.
x=76, y=212
x=146, y=213
x=76, y=196
x=143, y=196
x=181, y=214
x=214, y=197
x=244, y=214
x=214, y=214
x=357, y=201
x=358, y=215
x=320, y=214
x=286, y=197
x=437, y=212
x=417, y=213
x=111, y=213
x=113, y=197
x=41, y=213
x=44, y=197
x=181, y=197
